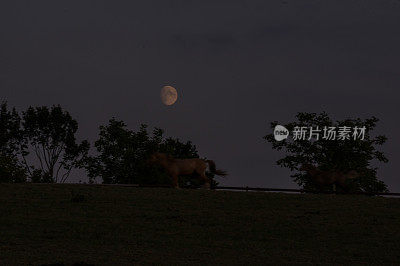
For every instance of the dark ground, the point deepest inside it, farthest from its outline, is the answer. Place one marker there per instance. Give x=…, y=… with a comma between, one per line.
x=43, y=224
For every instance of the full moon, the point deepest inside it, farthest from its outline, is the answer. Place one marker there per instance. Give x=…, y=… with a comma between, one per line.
x=169, y=95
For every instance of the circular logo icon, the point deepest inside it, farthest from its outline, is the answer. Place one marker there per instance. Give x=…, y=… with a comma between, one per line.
x=280, y=133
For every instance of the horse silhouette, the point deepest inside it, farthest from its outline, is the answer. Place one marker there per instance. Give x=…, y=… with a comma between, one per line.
x=329, y=177
x=176, y=167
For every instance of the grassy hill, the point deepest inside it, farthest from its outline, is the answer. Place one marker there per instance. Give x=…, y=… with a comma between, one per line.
x=107, y=225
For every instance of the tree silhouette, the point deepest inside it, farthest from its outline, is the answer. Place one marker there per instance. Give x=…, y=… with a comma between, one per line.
x=336, y=154
x=122, y=155
x=11, y=170
x=50, y=134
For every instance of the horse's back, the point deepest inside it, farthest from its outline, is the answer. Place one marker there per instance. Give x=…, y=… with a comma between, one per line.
x=190, y=165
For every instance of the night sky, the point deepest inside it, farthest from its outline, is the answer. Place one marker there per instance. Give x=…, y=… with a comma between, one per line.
x=237, y=66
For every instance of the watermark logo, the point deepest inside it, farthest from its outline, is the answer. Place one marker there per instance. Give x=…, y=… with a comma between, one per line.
x=280, y=133
x=325, y=133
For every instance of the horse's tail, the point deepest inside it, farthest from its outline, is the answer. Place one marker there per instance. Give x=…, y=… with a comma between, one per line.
x=214, y=170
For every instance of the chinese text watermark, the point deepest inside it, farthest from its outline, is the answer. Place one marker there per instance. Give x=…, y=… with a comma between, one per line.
x=325, y=133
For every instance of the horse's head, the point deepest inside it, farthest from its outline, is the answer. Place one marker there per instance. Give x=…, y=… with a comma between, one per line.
x=152, y=159
x=306, y=167
x=352, y=174
x=156, y=158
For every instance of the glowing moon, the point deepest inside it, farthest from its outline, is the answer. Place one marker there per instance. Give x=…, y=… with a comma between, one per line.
x=169, y=95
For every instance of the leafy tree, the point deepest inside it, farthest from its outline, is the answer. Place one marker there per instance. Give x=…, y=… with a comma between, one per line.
x=49, y=133
x=333, y=154
x=11, y=170
x=122, y=155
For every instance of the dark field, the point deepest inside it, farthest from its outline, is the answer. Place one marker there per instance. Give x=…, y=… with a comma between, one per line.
x=107, y=225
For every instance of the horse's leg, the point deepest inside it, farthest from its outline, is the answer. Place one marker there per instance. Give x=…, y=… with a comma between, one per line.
x=206, y=180
x=175, y=181
x=343, y=186
x=320, y=187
